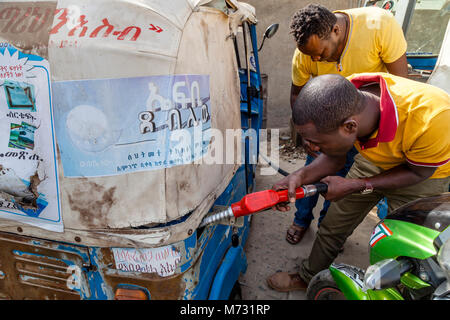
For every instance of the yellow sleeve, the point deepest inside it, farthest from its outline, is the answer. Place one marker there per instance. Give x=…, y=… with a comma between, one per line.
x=392, y=43
x=431, y=145
x=300, y=72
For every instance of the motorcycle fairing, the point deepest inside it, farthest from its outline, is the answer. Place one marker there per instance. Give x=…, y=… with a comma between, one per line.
x=430, y=212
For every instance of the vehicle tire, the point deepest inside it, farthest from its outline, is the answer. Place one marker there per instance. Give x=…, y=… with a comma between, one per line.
x=236, y=292
x=323, y=287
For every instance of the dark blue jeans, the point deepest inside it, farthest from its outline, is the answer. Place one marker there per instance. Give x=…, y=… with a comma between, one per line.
x=305, y=206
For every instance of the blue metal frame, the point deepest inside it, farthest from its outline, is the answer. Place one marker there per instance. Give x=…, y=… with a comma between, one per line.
x=234, y=263
x=256, y=103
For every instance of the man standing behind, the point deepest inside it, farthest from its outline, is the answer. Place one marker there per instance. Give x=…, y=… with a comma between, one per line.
x=341, y=42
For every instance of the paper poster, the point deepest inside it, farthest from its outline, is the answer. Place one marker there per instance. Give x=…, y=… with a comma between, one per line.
x=162, y=261
x=116, y=126
x=28, y=168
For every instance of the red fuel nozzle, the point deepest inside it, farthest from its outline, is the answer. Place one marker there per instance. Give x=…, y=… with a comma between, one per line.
x=258, y=201
x=261, y=200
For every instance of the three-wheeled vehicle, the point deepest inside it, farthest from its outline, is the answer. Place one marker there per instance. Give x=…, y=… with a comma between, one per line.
x=117, y=121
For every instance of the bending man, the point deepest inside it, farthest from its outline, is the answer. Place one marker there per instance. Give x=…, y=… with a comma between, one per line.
x=400, y=128
x=341, y=42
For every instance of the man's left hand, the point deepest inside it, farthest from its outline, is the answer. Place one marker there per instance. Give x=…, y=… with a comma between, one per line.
x=339, y=187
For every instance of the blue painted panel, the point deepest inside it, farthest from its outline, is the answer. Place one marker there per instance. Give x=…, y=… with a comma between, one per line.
x=211, y=259
x=422, y=60
x=233, y=264
x=220, y=240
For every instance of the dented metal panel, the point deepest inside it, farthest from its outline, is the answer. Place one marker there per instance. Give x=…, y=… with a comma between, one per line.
x=32, y=268
x=127, y=237
x=181, y=283
x=37, y=269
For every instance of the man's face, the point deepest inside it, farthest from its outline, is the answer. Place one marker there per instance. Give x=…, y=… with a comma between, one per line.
x=336, y=143
x=321, y=49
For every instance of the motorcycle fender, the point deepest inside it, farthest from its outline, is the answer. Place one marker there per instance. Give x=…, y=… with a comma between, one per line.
x=350, y=280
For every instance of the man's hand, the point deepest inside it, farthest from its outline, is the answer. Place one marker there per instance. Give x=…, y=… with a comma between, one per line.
x=401, y=176
x=321, y=167
x=339, y=187
x=291, y=182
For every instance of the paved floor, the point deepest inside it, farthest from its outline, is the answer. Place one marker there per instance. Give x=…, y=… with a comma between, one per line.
x=268, y=252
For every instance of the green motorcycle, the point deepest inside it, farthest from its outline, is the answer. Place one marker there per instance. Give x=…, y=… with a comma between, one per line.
x=409, y=257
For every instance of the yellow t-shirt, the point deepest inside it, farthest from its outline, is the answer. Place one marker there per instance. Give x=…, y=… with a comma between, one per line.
x=413, y=127
x=374, y=38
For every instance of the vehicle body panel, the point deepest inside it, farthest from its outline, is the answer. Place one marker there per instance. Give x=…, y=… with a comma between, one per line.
x=82, y=262
x=350, y=280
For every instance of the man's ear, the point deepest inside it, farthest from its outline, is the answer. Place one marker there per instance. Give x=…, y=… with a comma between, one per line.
x=350, y=126
x=336, y=29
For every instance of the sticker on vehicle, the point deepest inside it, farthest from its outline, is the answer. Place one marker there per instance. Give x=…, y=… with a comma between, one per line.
x=381, y=231
x=162, y=261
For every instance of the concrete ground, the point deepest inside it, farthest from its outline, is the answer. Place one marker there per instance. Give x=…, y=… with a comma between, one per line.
x=268, y=252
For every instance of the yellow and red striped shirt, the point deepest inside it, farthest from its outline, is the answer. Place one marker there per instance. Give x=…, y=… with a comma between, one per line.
x=414, y=124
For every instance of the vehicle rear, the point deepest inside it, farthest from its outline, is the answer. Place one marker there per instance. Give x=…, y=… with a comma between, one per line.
x=125, y=101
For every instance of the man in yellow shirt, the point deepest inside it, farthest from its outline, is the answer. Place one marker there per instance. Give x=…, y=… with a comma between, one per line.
x=400, y=128
x=341, y=42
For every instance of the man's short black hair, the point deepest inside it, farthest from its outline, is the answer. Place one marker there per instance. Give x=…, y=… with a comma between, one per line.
x=312, y=19
x=327, y=101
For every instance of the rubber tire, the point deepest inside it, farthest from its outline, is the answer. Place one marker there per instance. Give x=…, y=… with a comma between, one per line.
x=323, y=287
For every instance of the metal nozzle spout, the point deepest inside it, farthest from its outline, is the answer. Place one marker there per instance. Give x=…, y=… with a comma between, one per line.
x=216, y=217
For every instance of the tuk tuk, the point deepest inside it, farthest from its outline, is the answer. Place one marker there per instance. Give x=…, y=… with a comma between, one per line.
x=111, y=116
